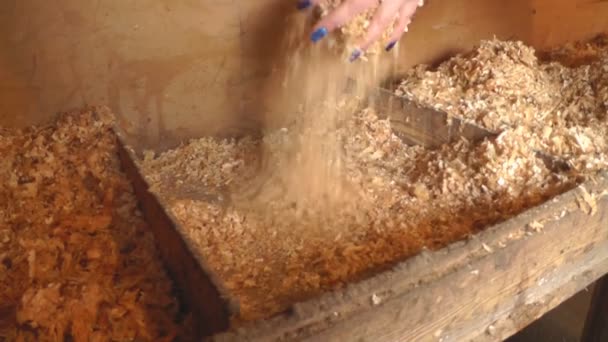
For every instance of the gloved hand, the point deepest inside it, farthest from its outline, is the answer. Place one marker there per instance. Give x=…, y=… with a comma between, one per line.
x=388, y=12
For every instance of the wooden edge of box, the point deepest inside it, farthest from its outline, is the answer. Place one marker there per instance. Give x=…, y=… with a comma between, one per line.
x=485, y=288
x=419, y=125
x=199, y=290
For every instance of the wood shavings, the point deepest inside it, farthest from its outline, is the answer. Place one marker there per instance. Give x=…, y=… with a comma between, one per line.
x=536, y=226
x=354, y=31
x=76, y=260
x=587, y=202
x=503, y=85
x=400, y=200
x=487, y=248
x=491, y=330
x=274, y=249
x=376, y=300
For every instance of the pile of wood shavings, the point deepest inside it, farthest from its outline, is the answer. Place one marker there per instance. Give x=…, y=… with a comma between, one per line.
x=503, y=85
x=404, y=199
x=77, y=261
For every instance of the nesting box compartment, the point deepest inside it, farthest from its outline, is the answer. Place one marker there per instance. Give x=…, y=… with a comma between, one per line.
x=218, y=59
x=485, y=288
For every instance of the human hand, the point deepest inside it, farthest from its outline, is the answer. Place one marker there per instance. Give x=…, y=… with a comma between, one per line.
x=388, y=14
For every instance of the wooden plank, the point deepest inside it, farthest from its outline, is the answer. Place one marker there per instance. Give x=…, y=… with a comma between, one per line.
x=485, y=289
x=418, y=125
x=198, y=291
x=596, y=325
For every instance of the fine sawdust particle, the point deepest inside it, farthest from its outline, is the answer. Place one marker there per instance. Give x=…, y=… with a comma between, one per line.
x=487, y=248
x=587, y=202
x=536, y=226
x=76, y=259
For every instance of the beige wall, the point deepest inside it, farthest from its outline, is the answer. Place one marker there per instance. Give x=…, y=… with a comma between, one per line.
x=173, y=66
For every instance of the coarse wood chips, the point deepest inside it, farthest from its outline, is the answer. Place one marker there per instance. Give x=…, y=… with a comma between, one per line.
x=76, y=258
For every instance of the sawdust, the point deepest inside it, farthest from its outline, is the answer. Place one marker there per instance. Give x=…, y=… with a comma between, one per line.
x=76, y=259
x=402, y=199
x=504, y=85
x=317, y=96
x=274, y=249
x=587, y=202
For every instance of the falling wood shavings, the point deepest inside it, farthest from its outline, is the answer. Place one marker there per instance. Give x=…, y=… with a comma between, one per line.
x=491, y=330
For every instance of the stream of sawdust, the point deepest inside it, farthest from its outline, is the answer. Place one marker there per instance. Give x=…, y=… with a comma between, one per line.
x=320, y=90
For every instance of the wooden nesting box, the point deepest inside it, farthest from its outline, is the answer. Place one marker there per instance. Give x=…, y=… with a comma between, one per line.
x=213, y=58
x=485, y=288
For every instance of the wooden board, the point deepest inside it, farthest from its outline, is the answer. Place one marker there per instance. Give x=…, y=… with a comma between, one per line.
x=417, y=125
x=198, y=291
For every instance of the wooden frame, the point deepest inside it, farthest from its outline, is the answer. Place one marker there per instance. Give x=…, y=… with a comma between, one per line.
x=483, y=289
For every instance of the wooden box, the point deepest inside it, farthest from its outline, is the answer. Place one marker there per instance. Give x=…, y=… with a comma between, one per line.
x=154, y=65
x=485, y=288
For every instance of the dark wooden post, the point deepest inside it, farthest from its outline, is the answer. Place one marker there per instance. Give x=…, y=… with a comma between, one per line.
x=596, y=325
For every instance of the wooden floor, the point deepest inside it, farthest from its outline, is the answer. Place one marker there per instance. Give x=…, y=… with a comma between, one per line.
x=563, y=324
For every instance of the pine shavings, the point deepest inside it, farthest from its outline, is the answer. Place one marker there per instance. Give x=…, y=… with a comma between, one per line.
x=77, y=262
x=536, y=226
x=503, y=85
x=587, y=202
x=487, y=248
x=399, y=200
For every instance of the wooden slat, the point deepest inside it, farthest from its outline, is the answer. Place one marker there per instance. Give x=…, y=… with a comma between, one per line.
x=418, y=125
x=198, y=291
